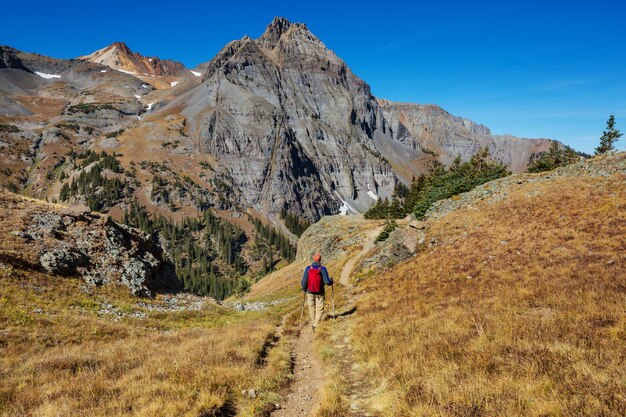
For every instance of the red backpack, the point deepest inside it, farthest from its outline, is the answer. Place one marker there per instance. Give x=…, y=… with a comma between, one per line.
x=314, y=280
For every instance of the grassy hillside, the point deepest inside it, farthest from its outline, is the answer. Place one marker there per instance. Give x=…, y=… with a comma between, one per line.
x=65, y=351
x=513, y=306
x=68, y=348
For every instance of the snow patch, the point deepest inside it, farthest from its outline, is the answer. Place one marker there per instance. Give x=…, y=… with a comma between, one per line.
x=150, y=106
x=145, y=85
x=149, y=59
x=137, y=96
x=196, y=73
x=173, y=83
x=138, y=117
x=47, y=76
x=103, y=70
x=371, y=194
x=127, y=72
x=345, y=207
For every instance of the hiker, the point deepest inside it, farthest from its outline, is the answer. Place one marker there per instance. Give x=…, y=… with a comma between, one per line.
x=314, y=280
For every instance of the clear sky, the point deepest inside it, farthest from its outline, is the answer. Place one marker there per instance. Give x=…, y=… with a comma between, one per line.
x=552, y=69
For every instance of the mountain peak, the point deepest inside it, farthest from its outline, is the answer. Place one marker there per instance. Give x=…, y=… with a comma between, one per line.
x=120, y=45
x=120, y=57
x=276, y=29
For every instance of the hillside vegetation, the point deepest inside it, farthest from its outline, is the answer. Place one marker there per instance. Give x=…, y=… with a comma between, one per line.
x=68, y=348
x=513, y=305
x=505, y=300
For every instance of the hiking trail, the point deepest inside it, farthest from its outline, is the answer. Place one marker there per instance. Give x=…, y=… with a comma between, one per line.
x=357, y=388
x=303, y=399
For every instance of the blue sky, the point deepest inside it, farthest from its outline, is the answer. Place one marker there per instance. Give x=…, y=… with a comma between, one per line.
x=552, y=69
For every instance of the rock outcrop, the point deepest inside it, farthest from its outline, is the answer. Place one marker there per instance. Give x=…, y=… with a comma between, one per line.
x=73, y=242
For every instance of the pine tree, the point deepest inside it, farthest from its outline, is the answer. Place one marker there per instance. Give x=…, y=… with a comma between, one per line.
x=609, y=137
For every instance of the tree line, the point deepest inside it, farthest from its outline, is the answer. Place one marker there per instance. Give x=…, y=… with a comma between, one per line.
x=100, y=192
x=296, y=224
x=276, y=239
x=205, y=251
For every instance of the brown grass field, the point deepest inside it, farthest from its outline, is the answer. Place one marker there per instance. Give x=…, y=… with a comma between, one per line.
x=519, y=309
x=67, y=359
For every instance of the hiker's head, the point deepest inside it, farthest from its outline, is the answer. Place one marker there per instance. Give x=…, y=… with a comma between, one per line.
x=317, y=258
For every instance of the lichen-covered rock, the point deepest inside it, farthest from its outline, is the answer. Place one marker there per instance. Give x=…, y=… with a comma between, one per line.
x=73, y=242
x=63, y=260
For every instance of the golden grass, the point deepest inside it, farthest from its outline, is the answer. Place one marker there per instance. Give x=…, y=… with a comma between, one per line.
x=67, y=360
x=518, y=310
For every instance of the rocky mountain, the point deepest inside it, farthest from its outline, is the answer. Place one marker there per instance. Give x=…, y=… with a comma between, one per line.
x=281, y=120
x=273, y=126
x=432, y=129
x=293, y=127
x=120, y=57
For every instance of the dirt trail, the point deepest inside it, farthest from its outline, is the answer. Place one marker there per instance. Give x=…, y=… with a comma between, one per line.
x=346, y=272
x=303, y=397
x=304, y=392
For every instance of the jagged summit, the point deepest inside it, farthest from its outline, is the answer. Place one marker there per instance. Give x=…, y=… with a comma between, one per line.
x=276, y=29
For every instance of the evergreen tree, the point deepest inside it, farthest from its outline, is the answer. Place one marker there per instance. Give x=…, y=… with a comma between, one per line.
x=609, y=137
x=554, y=158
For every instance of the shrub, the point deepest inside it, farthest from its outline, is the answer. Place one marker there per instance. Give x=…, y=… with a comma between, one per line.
x=390, y=226
x=554, y=158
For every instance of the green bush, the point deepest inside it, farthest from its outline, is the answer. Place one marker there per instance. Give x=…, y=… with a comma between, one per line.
x=556, y=157
x=88, y=108
x=390, y=226
x=9, y=128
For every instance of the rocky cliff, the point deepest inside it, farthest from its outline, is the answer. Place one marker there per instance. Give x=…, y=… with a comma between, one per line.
x=431, y=129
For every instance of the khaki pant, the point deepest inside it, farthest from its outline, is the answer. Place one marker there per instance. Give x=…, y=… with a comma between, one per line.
x=316, y=307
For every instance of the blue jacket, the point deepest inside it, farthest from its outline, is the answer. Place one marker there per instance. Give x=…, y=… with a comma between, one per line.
x=325, y=278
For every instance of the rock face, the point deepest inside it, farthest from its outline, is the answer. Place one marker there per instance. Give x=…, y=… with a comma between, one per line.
x=431, y=129
x=293, y=127
x=76, y=243
x=119, y=57
x=289, y=123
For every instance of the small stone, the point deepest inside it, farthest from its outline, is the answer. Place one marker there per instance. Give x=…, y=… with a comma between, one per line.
x=248, y=393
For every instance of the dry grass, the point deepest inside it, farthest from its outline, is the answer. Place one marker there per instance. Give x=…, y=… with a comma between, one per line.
x=518, y=310
x=68, y=359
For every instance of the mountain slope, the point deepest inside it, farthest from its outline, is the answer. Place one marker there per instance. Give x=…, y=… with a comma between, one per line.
x=277, y=127
x=507, y=300
x=429, y=127
x=119, y=56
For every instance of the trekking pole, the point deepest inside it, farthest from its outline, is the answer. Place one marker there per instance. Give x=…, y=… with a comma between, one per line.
x=333, y=291
x=302, y=312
